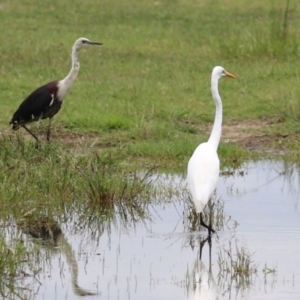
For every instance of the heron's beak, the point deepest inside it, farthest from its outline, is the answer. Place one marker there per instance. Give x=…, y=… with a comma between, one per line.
x=229, y=74
x=95, y=43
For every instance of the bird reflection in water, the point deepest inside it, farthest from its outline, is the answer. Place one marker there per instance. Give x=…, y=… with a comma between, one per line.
x=50, y=234
x=201, y=284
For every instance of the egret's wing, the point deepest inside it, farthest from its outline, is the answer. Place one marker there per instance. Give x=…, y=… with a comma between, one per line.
x=203, y=174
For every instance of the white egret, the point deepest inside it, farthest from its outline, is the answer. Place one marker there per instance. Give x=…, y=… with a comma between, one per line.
x=204, y=165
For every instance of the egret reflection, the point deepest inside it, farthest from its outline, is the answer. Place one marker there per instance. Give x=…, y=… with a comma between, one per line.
x=201, y=284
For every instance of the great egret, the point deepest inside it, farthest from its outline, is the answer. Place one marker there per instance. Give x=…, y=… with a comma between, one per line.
x=204, y=165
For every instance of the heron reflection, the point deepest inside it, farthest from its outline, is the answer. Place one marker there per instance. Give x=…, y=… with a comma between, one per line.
x=51, y=236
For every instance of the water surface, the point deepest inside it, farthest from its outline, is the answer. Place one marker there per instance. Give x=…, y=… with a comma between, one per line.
x=159, y=259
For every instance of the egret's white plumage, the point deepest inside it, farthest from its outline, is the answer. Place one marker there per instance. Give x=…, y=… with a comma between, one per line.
x=203, y=173
x=204, y=165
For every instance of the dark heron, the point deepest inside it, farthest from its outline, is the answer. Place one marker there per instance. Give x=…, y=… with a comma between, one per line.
x=46, y=101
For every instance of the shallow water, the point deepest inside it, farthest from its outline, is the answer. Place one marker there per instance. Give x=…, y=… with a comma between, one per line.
x=158, y=259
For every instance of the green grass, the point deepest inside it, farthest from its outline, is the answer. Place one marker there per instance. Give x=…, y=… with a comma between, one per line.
x=153, y=70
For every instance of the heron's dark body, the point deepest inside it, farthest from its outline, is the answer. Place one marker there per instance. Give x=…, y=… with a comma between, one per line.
x=46, y=101
x=40, y=104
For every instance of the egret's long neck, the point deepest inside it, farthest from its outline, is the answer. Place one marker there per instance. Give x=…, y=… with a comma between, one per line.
x=66, y=84
x=215, y=135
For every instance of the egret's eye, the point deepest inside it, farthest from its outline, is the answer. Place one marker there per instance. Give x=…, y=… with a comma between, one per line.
x=83, y=41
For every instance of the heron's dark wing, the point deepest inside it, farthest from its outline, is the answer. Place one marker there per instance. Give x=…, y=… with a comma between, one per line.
x=36, y=104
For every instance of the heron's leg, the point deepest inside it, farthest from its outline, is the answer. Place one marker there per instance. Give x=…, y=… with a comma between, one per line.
x=36, y=138
x=49, y=129
x=210, y=230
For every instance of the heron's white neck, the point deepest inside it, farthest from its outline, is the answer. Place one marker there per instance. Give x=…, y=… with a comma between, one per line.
x=71, y=77
x=215, y=135
x=66, y=84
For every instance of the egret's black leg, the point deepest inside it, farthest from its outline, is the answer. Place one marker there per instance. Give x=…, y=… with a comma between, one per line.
x=210, y=230
x=49, y=129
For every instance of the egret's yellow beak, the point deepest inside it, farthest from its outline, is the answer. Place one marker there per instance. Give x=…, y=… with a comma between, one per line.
x=229, y=74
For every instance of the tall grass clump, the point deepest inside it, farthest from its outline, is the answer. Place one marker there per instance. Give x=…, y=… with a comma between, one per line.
x=235, y=266
x=109, y=191
x=107, y=184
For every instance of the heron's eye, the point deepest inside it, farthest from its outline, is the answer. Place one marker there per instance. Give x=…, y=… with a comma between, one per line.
x=83, y=41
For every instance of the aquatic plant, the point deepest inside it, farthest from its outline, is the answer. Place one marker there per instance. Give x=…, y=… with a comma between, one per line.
x=235, y=267
x=111, y=192
x=16, y=272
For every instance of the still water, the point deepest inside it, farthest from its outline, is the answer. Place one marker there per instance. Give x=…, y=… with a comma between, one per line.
x=159, y=258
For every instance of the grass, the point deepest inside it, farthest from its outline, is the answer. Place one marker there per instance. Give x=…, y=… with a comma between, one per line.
x=236, y=267
x=54, y=175
x=16, y=267
x=148, y=85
